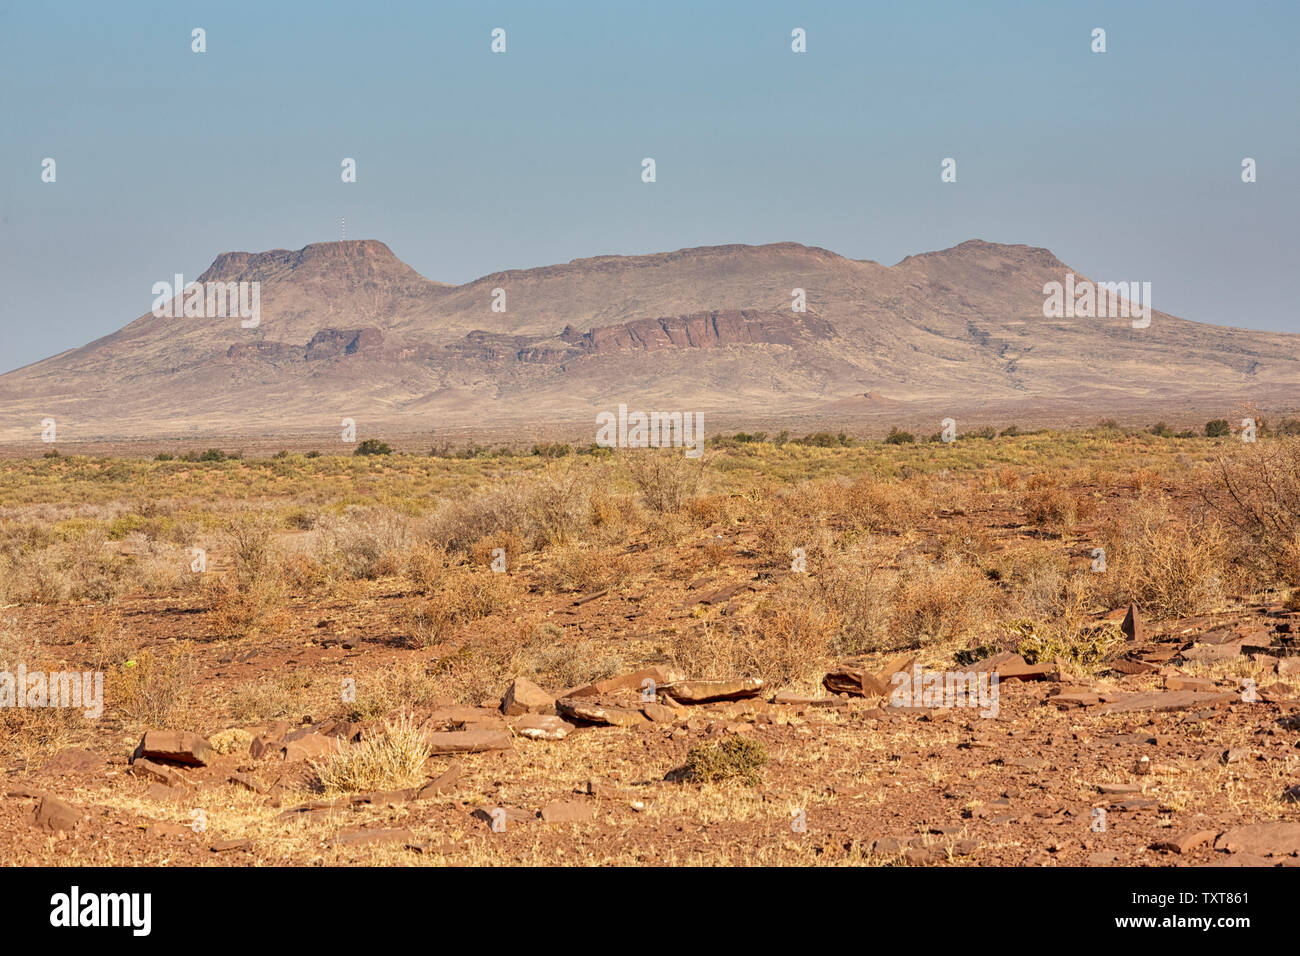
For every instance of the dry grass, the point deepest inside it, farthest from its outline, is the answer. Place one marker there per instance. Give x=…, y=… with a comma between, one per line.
x=386, y=761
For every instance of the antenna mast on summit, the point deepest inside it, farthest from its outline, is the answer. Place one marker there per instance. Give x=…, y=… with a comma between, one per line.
x=343, y=228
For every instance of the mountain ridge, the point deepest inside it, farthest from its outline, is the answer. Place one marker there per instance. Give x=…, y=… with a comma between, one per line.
x=350, y=330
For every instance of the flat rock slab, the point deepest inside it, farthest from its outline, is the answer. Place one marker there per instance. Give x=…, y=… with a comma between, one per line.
x=855, y=677
x=175, y=746
x=467, y=741
x=594, y=713
x=637, y=680
x=704, y=691
x=1262, y=839
x=158, y=773
x=568, y=811
x=1179, y=682
x=55, y=815
x=1162, y=702
x=1185, y=841
x=74, y=760
x=1013, y=667
x=542, y=727
x=310, y=746
x=525, y=697
x=443, y=783
x=366, y=836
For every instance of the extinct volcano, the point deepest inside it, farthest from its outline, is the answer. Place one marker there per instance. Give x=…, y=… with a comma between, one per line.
x=349, y=330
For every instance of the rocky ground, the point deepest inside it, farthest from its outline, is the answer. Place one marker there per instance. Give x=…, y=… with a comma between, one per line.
x=1178, y=746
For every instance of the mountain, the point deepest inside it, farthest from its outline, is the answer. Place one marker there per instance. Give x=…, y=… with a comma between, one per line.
x=348, y=330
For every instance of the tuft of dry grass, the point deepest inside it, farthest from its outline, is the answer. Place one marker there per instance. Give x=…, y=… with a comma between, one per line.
x=388, y=760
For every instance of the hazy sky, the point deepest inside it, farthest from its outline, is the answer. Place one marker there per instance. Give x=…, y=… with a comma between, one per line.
x=1126, y=164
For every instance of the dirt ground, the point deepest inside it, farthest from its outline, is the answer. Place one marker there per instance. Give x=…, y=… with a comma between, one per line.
x=342, y=600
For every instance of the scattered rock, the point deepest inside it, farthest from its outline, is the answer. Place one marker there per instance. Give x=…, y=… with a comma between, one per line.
x=542, y=727
x=854, y=677
x=1262, y=839
x=1185, y=841
x=444, y=783
x=1132, y=625
x=659, y=676
x=1180, y=682
x=525, y=697
x=1013, y=667
x=175, y=746
x=366, y=835
x=703, y=691
x=167, y=776
x=231, y=846
x=55, y=815
x=659, y=713
x=467, y=741
x=1161, y=702
x=74, y=760
x=310, y=746
x=247, y=782
x=568, y=811
x=594, y=713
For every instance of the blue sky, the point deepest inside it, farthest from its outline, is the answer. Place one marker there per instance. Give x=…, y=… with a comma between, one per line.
x=1125, y=164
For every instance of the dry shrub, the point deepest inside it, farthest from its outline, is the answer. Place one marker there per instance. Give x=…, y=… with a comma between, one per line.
x=426, y=566
x=940, y=602
x=400, y=688
x=35, y=733
x=254, y=701
x=573, y=567
x=736, y=758
x=250, y=597
x=389, y=760
x=1057, y=509
x=666, y=478
x=156, y=689
x=465, y=595
x=107, y=643
x=1261, y=482
x=538, y=510
x=1144, y=479
x=86, y=566
x=362, y=543
x=1008, y=478
x=560, y=665
x=1170, y=568
x=484, y=551
x=874, y=505
x=786, y=639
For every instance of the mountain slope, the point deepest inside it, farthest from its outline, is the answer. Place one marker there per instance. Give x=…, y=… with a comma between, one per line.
x=349, y=330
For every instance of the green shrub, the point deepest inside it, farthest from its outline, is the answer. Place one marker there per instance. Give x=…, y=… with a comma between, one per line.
x=736, y=758
x=372, y=446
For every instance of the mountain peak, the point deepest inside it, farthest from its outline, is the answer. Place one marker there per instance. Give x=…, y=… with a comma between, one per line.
x=355, y=257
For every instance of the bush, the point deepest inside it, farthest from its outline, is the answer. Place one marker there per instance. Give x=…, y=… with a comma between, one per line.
x=898, y=437
x=1217, y=428
x=737, y=758
x=666, y=479
x=1262, y=483
x=372, y=446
